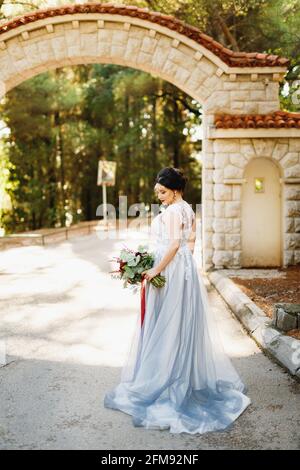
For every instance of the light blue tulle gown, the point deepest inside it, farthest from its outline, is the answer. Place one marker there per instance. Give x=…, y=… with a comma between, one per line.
x=176, y=375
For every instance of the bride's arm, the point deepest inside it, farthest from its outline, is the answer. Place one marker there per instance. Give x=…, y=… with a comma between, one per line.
x=173, y=232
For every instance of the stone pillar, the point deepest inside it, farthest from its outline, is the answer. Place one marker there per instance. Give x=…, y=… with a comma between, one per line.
x=224, y=161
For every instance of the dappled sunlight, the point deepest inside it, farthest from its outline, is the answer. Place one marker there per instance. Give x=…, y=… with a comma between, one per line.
x=231, y=335
x=57, y=304
x=135, y=234
x=78, y=344
x=60, y=302
x=237, y=349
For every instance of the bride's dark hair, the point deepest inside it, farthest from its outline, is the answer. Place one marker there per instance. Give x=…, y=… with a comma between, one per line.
x=171, y=178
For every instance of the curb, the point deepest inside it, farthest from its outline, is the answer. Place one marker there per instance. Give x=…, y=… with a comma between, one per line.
x=284, y=349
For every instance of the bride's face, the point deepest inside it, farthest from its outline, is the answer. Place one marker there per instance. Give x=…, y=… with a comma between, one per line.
x=165, y=195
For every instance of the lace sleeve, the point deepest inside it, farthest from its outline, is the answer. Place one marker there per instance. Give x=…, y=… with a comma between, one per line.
x=173, y=223
x=189, y=218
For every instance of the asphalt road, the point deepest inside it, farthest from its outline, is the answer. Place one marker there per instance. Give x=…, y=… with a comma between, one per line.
x=65, y=326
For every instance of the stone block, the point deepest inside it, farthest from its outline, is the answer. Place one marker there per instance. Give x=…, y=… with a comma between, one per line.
x=222, y=192
x=263, y=147
x=233, y=242
x=197, y=77
x=120, y=37
x=218, y=241
x=218, y=176
x=289, y=224
x=297, y=256
x=231, y=171
x=236, y=192
x=247, y=151
x=286, y=316
x=219, y=101
x=132, y=49
x=258, y=95
x=219, y=209
x=294, y=145
x=237, y=95
x=59, y=47
x=227, y=146
x=238, y=159
x=88, y=43
x=87, y=27
x=272, y=91
x=231, y=85
x=33, y=54
x=222, y=258
x=208, y=159
x=252, y=85
x=15, y=49
x=221, y=160
x=208, y=67
x=292, y=172
x=290, y=159
x=159, y=58
x=292, y=241
x=266, y=107
x=232, y=209
x=149, y=45
x=286, y=349
x=292, y=192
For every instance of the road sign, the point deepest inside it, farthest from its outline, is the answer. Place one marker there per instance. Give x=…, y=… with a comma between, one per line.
x=106, y=173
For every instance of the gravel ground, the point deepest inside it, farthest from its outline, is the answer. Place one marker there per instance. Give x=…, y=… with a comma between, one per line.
x=66, y=325
x=269, y=286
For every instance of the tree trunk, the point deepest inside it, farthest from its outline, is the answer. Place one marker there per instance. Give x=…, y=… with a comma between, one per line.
x=60, y=155
x=230, y=39
x=154, y=137
x=128, y=163
x=176, y=139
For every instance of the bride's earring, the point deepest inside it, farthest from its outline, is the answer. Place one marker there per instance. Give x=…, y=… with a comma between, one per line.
x=174, y=196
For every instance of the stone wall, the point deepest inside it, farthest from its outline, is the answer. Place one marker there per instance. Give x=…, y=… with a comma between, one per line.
x=225, y=163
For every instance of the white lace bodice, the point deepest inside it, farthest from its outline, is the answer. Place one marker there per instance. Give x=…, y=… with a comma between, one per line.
x=160, y=232
x=161, y=228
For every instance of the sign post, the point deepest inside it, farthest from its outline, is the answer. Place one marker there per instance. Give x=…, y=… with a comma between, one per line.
x=104, y=202
x=106, y=177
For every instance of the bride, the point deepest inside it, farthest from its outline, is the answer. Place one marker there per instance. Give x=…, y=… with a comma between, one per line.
x=176, y=375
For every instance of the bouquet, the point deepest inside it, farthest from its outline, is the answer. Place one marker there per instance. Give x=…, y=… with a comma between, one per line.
x=132, y=264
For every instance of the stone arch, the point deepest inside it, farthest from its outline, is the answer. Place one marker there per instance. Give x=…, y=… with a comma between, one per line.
x=223, y=81
x=129, y=36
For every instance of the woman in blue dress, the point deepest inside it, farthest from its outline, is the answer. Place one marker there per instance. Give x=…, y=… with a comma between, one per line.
x=176, y=375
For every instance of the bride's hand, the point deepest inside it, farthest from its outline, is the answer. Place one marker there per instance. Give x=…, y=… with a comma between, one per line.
x=150, y=274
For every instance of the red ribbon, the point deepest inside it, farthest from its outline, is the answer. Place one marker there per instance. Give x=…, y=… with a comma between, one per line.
x=143, y=300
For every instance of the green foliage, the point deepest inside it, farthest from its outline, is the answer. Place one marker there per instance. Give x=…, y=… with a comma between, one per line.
x=62, y=122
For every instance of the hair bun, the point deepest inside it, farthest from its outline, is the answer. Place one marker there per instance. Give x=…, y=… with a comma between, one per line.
x=172, y=178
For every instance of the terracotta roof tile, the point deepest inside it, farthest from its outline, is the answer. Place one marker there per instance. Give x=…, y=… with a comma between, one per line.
x=276, y=119
x=231, y=58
